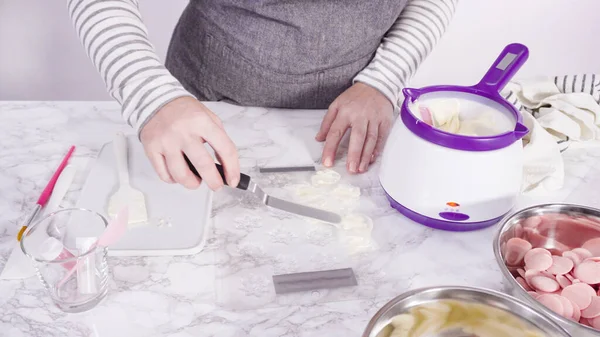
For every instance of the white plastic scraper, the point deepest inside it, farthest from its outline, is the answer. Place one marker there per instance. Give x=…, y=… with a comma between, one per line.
x=126, y=195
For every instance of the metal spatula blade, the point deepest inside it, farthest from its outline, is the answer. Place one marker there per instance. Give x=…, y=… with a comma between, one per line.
x=247, y=184
x=126, y=195
x=302, y=210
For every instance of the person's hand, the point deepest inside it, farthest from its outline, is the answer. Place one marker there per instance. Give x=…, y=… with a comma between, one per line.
x=368, y=113
x=183, y=126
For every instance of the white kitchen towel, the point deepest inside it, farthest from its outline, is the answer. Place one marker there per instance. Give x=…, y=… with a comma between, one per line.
x=559, y=111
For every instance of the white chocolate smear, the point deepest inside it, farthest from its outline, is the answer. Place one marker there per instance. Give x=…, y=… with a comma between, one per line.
x=357, y=244
x=306, y=193
x=301, y=189
x=437, y=318
x=356, y=232
x=358, y=223
x=325, y=192
x=346, y=192
x=325, y=177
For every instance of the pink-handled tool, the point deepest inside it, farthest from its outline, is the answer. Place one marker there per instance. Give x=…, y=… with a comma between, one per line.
x=46, y=193
x=113, y=232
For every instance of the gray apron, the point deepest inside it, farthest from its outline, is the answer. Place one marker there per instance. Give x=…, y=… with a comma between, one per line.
x=273, y=53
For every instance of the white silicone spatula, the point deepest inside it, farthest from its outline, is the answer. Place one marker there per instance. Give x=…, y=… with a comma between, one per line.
x=126, y=195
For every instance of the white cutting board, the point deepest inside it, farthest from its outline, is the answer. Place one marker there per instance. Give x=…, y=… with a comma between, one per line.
x=178, y=218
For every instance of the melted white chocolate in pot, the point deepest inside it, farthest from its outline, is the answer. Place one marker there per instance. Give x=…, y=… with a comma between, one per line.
x=456, y=318
x=462, y=117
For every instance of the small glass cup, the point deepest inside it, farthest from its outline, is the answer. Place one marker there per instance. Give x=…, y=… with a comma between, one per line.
x=71, y=267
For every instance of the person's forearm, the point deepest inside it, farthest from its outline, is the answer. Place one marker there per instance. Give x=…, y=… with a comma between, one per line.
x=116, y=40
x=410, y=40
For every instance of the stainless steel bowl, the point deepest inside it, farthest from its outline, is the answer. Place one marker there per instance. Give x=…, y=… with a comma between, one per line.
x=408, y=300
x=556, y=232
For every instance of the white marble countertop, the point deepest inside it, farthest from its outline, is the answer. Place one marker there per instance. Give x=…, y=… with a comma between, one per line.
x=226, y=290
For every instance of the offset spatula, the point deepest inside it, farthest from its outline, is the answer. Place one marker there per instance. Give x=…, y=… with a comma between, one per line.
x=247, y=184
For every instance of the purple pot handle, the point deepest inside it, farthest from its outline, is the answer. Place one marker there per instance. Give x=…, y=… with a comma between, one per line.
x=504, y=68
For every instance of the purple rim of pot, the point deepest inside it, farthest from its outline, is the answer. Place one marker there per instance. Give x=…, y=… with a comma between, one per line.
x=441, y=224
x=455, y=141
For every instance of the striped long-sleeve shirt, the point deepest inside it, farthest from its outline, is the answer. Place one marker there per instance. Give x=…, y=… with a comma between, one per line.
x=116, y=40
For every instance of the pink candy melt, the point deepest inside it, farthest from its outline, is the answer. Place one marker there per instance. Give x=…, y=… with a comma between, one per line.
x=545, y=284
x=577, y=294
x=524, y=284
x=573, y=257
x=593, y=310
x=565, y=278
x=532, y=222
x=516, y=249
x=576, y=312
x=593, y=246
x=551, y=302
x=563, y=281
x=538, y=261
x=583, y=253
x=567, y=306
x=541, y=250
x=588, y=272
x=560, y=265
x=585, y=321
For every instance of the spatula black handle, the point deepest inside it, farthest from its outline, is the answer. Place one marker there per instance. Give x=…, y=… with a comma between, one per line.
x=244, y=179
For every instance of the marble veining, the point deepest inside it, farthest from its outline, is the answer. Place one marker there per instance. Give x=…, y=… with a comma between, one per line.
x=226, y=290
